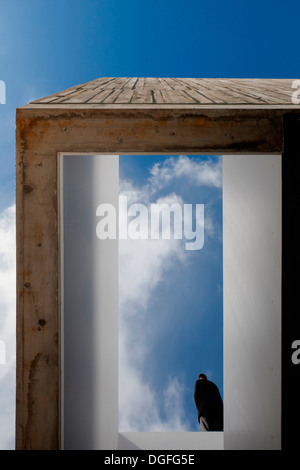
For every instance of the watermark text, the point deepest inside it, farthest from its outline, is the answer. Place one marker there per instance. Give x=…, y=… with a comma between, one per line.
x=296, y=93
x=296, y=354
x=159, y=221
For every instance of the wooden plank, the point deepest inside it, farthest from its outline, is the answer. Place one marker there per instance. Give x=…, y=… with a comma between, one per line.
x=56, y=96
x=63, y=98
x=141, y=95
x=164, y=84
x=119, y=83
x=112, y=96
x=227, y=94
x=131, y=83
x=252, y=94
x=267, y=89
x=125, y=96
x=175, y=92
x=100, y=96
x=157, y=97
x=152, y=90
x=187, y=97
x=273, y=84
x=235, y=91
x=81, y=97
x=81, y=94
x=99, y=83
x=208, y=93
x=93, y=84
x=284, y=86
x=176, y=85
x=176, y=97
x=198, y=97
x=89, y=87
x=241, y=95
x=139, y=84
x=150, y=83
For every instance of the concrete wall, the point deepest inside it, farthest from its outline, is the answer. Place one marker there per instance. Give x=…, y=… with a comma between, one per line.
x=89, y=306
x=252, y=301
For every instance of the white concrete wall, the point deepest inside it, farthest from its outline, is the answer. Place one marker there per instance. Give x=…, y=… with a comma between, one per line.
x=252, y=301
x=90, y=306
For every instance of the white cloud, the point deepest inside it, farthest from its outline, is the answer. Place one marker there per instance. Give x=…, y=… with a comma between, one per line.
x=133, y=193
x=182, y=168
x=7, y=327
x=140, y=407
x=198, y=172
x=142, y=266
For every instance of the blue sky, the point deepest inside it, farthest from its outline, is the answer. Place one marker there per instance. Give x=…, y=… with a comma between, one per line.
x=171, y=299
x=46, y=47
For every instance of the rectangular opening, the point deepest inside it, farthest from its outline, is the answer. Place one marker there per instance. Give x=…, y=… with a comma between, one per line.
x=170, y=288
x=252, y=314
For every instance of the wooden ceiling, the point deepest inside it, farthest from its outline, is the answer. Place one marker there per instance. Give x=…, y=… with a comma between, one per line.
x=176, y=91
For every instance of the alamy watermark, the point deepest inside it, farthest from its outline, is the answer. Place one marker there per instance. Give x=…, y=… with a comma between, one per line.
x=296, y=93
x=2, y=352
x=296, y=354
x=159, y=221
x=2, y=92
